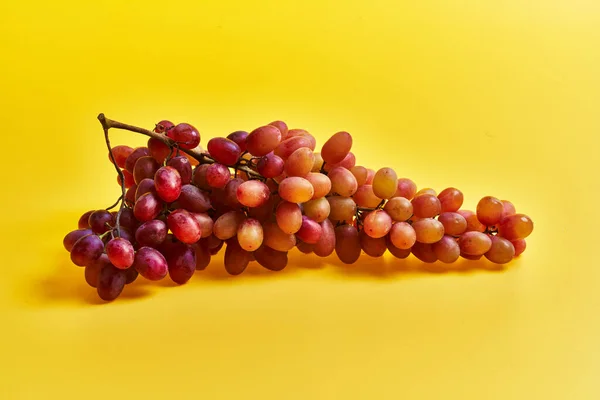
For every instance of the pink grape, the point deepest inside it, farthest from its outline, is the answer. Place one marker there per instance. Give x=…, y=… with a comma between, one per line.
x=168, y=183
x=347, y=244
x=270, y=165
x=74, y=236
x=181, y=261
x=263, y=140
x=224, y=151
x=193, y=199
x=336, y=148
x=406, y=188
x=184, y=226
x=145, y=186
x=310, y=231
x=147, y=207
x=120, y=253
x=253, y=193
x=377, y=223
x=151, y=233
x=239, y=137
x=217, y=176
x=402, y=235
x=326, y=244
x=283, y=128
x=451, y=199
x=185, y=135
x=134, y=156
x=183, y=166
x=145, y=167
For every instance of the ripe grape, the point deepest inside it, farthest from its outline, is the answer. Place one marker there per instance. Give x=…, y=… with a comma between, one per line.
x=158, y=149
x=426, y=206
x=224, y=151
x=151, y=233
x=426, y=191
x=489, y=210
x=111, y=282
x=310, y=231
x=321, y=184
x=147, y=207
x=134, y=156
x=395, y=251
x=424, y=252
x=84, y=220
x=239, y=137
x=130, y=275
x=226, y=226
x=318, y=163
x=447, y=249
x=253, y=193
x=289, y=217
x=312, y=142
x=184, y=226
x=473, y=223
x=199, y=176
x=372, y=246
x=508, y=209
x=343, y=182
x=360, y=173
x=181, y=261
x=326, y=245
x=271, y=259
x=454, y=223
x=163, y=126
x=519, y=245
x=364, y=197
x=130, y=195
x=347, y=244
x=342, y=208
x=202, y=257
x=128, y=181
x=296, y=189
x=206, y=223
x=250, y=234
x=236, y=259
x=230, y=193
x=92, y=271
x=74, y=236
x=451, y=199
x=263, y=140
x=277, y=239
x=183, y=166
x=270, y=165
x=370, y=176
x=127, y=219
x=428, y=230
x=100, y=221
x=300, y=162
x=348, y=162
x=385, y=183
x=186, y=136
x=120, y=153
x=474, y=243
x=167, y=182
x=377, y=223
x=120, y=252
x=406, y=188
x=288, y=146
x=283, y=128
x=501, y=252
x=217, y=176
x=317, y=209
x=517, y=226
x=145, y=167
x=336, y=148
x=193, y=199
x=402, y=235
x=399, y=208
x=305, y=248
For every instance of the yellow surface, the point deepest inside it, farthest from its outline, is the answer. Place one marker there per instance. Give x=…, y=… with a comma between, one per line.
x=492, y=97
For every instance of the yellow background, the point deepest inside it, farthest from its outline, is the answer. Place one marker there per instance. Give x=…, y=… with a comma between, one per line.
x=493, y=97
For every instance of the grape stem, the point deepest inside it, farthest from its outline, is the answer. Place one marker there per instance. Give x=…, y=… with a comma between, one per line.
x=202, y=158
x=121, y=180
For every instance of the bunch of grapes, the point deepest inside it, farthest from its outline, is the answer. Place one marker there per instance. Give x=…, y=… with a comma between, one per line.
x=259, y=195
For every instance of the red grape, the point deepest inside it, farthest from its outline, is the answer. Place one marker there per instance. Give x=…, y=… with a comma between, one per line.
x=150, y=263
x=239, y=137
x=185, y=135
x=120, y=253
x=224, y=151
x=184, y=226
x=111, y=282
x=151, y=233
x=121, y=153
x=168, y=183
x=86, y=250
x=263, y=140
x=183, y=166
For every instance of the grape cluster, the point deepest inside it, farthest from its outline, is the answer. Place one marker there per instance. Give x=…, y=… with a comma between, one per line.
x=259, y=195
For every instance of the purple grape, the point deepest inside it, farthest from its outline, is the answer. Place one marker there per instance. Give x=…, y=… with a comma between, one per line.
x=100, y=220
x=145, y=168
x=236, y=259
x=84, y=220
x=224, y=151
x=239, y=137
x=86, y=250
x=120, y=252
x=145, y=186
x=270, y=165
x=151, y=233
x=183, y=166
x=150, y=263
x=194, y=199
x=134, y=156
x=74, y=236
x=181, y=260
x=147, y=207
x=111, y=282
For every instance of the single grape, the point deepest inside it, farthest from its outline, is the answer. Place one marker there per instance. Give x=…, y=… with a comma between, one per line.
x=145, y=186
x=426, y=191
x=446, y=250
x=326, y=245
x=199, y=176
x=348, y=162
x=395, y=251
x=151, y=233
x=360, y=173
x=385, y=183
x=501, y=252
x=131, y=275
x=451, y=199
x=84, y=220
x=283, y=128
x=217, y=176
x=158, y=149
x=370, y=176
x=372, y=246
x=365, y=197
x=184, y=226
x=305, y=248
x=202, y=257
x=212, y=243
x=347, y=244
x=270, y=165
x=296, y=189
x=277, y=239
x=145, y=167
x=342, y=208
x=183, y=166
x=92, y=271
x=120, y=252
x=226, y=226
x=253, y=193
x=473, y=223
x=130, y=195
x=181, y=261
x=194, y=199
x=206, y=223
x=224, y=151
x=129, y=180
x=265, y=211
x=514, y=227
x=134, y=156
x=321, y=184
x=519, y=245
x=343, y=182
x=336, y=148
x=300, y=162
x=402, y=235
x=474, y=243
x=317, y=209
x=489, y=210
x=289, y=217
x=454, y=223
x=120, y=153
x=470, y=257
x=167, y=182
x=163, y=126
x=508, y=209
x=424, y=252
x=318, y=163
x=377, y=223
x=147, y=207
x=250, y=234
x=399, y=208
x=100, y=221
x=310, y=232
x=236, y=259
x=74, y=236
x=428, y=230
x=426, y=206
x=185, y=135
x=288, y=146
x=406, y=188
x=263, y=140
x=271, y=259
x=239, y=137
x=111, y=282
x=312, y=142
x=126, y=220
